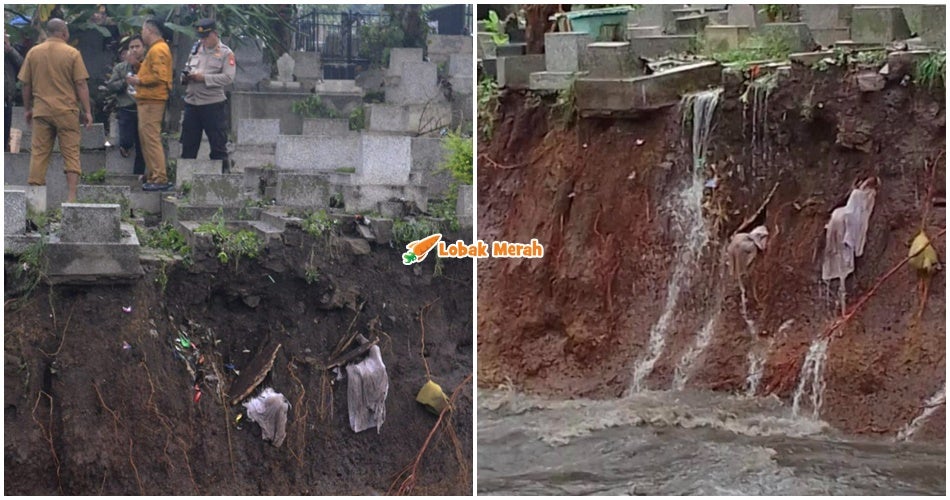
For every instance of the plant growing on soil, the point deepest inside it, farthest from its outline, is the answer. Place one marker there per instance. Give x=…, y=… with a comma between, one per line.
x=445, y=209
x=42, y=220
x=97, y=177
x=775, y=12
x=756, y=48
x=231, y=244
x=407, y=231
x=488, y=106
x=30, y=269
x=164, y=237
x=459, y=160
x=319, y=223
x=313, y=107
x=931, y=72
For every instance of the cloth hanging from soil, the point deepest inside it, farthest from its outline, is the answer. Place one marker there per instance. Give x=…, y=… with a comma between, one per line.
x=744, y=247
x=846, y=232
x=367, y=388
x=269, y=410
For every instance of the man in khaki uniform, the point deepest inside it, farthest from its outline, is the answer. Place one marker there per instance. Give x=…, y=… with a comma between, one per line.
x=209, y=71
x=53, y=76
x=153, y=83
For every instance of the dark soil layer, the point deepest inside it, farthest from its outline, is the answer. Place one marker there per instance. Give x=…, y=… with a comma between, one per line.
x=91, y=417
x=575, y=322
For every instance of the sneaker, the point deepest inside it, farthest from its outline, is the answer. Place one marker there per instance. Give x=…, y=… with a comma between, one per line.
x=124, y=152
x=151, y=186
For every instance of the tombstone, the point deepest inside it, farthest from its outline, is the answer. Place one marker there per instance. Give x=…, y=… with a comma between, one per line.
x=933, y=25
x=307, y=66
x=417, y=85
x=250, y=66
x=91, y=223
x=612, y=60
x=564, y=51
x=653, y=15
x=387, y=159
x=258, y=130
x=14, y=211
x=745, y=15
x=796, y=35
x=722, y=38
x=878, y=24
x=285, y=68
x=691, y=25
x=399, y=56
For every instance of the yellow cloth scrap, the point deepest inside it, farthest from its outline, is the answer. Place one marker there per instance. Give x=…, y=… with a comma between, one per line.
x=926, y=260
x=432, y=397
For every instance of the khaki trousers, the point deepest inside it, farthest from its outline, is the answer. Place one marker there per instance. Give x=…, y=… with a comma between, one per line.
x=46, y=129
x=150, y=138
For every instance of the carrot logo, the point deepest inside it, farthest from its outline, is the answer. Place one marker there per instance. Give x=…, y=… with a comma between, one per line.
x=420, y=248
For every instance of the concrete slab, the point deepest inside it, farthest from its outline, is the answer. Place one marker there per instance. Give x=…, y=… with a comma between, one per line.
x=267, y=105
x=91, y=223
x=14, y=211
x=186, y=170
x=724, y=37
x=612, y=60
x=657, y=46
x=933, y=25
x=146, y=202
x=511, y=50
x=460, y=65
x=810, y=58
x=692, y=24
x=326, y=126
x=550, y=80
x=257, y=131
x=318, y=153
x=513, y=72
x=878, y=24
x=796, y=35
x=104, y=193
x=631, y=96
x=334, y=87
x=428, y=155
x=634, y=31
x=398, y=56
x=95, y=263
x=486, y=46
x=825, y=16
x=745, y=15
x=654, y=15
x=418, y=85
x=387, y=159
x=409, y=119
x=307, y=65
x=463, y=207
x=441, y=47
x=253, y=155
x=218, y=190
x=564, y=51
x=303, y=190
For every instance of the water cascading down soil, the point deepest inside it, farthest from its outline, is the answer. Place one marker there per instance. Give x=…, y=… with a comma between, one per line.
x=633, y=296
x=99, y=400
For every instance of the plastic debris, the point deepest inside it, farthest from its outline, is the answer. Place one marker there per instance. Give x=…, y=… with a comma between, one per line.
x=640, y=142
x=197, y=393
x=367, y=388
x=712, y=183
x=127, y=309
x=269, y=410
x=125, y=346
x=183, y=340
x=924, y=256
x=432, y=396
x=846, y=231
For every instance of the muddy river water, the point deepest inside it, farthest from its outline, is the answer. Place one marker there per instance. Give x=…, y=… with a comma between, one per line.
x=686, y=443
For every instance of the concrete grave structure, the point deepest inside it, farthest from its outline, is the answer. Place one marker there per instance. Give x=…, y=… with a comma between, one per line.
x=14, y=211
x=878, y=24
x=612, y=60
x=513, y=72
x=257, y=131
x=657, y=46
x=660, y=15
x=933, y=25
x=797, y=36
x=630, y=96
x=722, y=38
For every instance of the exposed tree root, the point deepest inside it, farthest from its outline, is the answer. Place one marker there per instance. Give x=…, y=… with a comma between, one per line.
x=405, y=481
x=48, y=434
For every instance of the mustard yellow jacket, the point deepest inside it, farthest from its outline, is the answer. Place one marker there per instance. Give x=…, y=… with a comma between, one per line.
x=155, y=74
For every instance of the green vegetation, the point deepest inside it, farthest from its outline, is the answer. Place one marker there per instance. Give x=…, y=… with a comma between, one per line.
x=446, y=209
x=459, y=161
x=488, y=106
x=756, y=48
x=42, y=220
x=874, y=58
x=358, y=119
x=407, y=231
x=185, y=189
x=932, y=71
x=231, y=244
x=164, y=237
x=97, y=177
x=31, y=268
x=313, y=107
x=496, y=27
x=776, y=12
x=319, y=223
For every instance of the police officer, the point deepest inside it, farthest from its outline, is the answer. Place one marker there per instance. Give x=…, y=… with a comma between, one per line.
x=209, y=70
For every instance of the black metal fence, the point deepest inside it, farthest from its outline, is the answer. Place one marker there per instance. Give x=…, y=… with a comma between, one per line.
x=338, y=36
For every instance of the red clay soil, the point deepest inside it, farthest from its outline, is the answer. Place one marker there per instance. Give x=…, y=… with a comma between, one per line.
x=85, y=416
x=574, y=323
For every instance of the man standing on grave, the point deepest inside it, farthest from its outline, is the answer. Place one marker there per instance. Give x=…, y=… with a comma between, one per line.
x=153, y=82
x=210, y=69
x=54, y=84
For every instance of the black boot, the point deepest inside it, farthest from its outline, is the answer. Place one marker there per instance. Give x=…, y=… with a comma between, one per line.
x=226, y=166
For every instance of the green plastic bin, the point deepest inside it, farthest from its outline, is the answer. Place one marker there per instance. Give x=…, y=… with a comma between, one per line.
x=591, y=21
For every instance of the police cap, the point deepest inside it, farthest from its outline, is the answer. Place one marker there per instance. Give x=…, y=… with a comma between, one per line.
x=204, y=27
